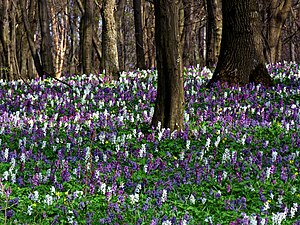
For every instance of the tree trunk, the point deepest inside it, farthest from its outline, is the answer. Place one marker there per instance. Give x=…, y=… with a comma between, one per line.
x=148, y=14
x=109, y=42
x=241, y=59
x=5, y=40
x=169, y=104
x=30, y=38
x=46, y=40
x=119, y=17
x=87, y=36
x=189, y=35
x=277, y=14
x=139, y=40
x=213, y=31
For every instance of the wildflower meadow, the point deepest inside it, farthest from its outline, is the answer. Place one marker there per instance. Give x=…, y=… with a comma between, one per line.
x=87, y=154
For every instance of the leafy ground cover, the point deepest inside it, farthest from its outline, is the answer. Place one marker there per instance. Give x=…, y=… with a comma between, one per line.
x=87, y=154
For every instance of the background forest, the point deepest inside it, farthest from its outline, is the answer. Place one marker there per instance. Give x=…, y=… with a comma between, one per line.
x=88, y=36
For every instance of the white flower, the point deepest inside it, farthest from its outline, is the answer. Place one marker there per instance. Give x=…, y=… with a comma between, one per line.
x=104, y=157
x=274, y=156
x=5, y=175
x=29, y=210
x=188, y=143
x=266, y=206
x=226, y=156
x=103, y=188
x=167, y=222
x=192, y=199
x=145, y=168
x=23, y=157
x=6, y=153
x=164, y=196
x=217, y=141
x=294, y=209
x=48, y=200
x=134, y=198
x=142, y=150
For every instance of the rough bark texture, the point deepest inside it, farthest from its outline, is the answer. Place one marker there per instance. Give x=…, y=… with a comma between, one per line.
x=213, y=31
x=170, y=92
x=109, y=48
x=277, y=12
x=87, y=36
x=139, y=40
x=46, y=40
x=241, y=59
x=119, y=15
x=30, y=38
x=189, y=34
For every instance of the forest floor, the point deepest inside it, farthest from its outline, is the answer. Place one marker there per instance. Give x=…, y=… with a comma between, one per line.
x=87, y=154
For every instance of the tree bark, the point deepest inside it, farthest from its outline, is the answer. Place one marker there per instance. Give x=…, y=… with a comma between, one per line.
x=169, y=104
x=139, y=40
x=109, y=42
x=213, y=31
x=277, y=13
x=46, y=40
x=241, y=58
x=188, y=29
x=30, y=38
x=87, y=36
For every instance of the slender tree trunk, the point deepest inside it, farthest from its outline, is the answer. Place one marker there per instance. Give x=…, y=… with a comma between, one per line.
x=87, y=36
x=46, y=40
x=241, y=59
x=139, y=40
x=213, y=31
x=277, y=14
x=59, y=28
x=170, y=92
x=109, y=42
x=119, y=18
x=148, y=14
x=30, y=38
x=189, y=33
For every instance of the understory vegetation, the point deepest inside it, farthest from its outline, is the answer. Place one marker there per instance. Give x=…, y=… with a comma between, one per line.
x=88, y=155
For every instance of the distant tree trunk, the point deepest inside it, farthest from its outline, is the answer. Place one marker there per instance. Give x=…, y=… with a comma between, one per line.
x=87, y=36
x=277, y=13
x=189, y=23
x=169, y=104
x=241, y=59
x=148, y=14
x=30, y=38
x=109, y=42
x=59, y=28
x=119, y=16
x=46, y=40
x=139, y=40
x=213, y=31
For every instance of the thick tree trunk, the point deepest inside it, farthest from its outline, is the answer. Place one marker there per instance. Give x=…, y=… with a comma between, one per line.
x=139, y=40
x=170, y=92
x=213, y=31
x=5, y=40
x=277, y=14
x=241, y=59
x=87, y=36
x=109, y=42
x=46, y=40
